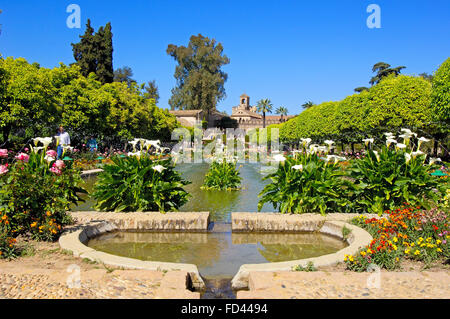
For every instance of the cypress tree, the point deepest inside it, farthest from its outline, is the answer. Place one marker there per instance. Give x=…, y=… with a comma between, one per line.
x=84, y=52
x=94, y=53
x=103, y=39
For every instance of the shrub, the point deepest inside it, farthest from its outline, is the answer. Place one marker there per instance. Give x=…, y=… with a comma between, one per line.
x=307, y=183
x=392, y=176
x=139, y=183
x=36, y=193
x=7, y=242
x=222, y=175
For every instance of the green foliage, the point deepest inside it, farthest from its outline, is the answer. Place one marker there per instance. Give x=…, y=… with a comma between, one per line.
x=387, y=179
x=35, y=101
x=200, y=80
x=222, y=175
x=309, y=267
x=35, y=195
x=384, y=70
x=94, y=53
x=307, y=184
x=440, y=98
x=395, y=102
x=134, y=184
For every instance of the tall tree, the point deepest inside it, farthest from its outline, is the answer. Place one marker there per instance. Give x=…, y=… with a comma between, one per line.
x=94, y=53
x=200, y=80
x=383, y=70
x=124, y=74
x=104, y=46
x=282, y=111
x=151, y=91
x=308, y=104
x=264, y=106
x=84, y=52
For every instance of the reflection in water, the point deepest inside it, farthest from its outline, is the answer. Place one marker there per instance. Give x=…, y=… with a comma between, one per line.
x=217, y=255
x=220, y=204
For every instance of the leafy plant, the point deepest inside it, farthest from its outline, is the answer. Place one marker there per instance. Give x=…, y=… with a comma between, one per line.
x=389, y=178
x=36, y=192
x=139, y=183
x=307, y=183
x=309, y=267
x=222, y=175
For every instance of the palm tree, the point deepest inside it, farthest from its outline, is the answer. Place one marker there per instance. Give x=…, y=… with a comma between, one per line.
x=282, y=111
x=264, y=106
x=308, y=104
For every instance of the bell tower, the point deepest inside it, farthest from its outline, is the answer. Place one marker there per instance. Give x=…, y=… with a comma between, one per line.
x=244, y=102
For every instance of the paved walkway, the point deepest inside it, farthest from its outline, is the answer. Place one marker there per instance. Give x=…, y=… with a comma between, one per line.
x=51, y=284
x=348, y=285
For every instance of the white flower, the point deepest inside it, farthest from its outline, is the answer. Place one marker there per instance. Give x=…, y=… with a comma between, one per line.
x=36, y=149
x=377, y=155
x=46, y=141
x=49, y=158
x=408, y=157
x=154, y=143
x=389, y=141
x=415, y=154
x=137, y=154
x=279, y=158
x=133, y=143
x=67, y=147
x=298, y=167
x=329, y=142
x=331, y=157
x=407, y=131
x=306, y=141
x=159, y=168
x=434, y=160
x=421, y=140
x=400, y=146
x=368, y=140
x=389, y=134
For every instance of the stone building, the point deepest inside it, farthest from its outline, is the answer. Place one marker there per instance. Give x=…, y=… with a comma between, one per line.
x=248, y=118
x=244, y=114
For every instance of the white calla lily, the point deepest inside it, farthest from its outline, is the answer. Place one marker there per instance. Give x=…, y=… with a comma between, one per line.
x=279, y=158
x=298, y=167
x=408, y=157
x=158, y=168
x=434, y=160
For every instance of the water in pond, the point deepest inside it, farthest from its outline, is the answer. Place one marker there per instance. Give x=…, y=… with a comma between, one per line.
x=219, y=203
x=217, y=254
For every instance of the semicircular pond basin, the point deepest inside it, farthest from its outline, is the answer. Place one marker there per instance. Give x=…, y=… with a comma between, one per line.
x=218, y=254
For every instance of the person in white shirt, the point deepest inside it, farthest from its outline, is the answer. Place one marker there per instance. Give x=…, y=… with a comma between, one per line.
x=64, y=139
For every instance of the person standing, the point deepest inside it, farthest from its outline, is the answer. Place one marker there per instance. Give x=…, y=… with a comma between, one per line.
x=64, y=140
x=92, y=144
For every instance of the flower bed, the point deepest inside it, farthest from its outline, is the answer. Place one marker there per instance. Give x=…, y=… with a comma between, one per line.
x=407, y=232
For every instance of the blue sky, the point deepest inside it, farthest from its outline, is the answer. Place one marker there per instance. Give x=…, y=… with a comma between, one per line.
x=288, y=51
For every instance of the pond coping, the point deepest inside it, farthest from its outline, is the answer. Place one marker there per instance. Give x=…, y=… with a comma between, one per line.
x=331, y=224
x=92, y=224
x=91, y=172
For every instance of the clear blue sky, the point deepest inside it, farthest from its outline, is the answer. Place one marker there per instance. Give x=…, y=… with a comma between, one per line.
x=288, y=51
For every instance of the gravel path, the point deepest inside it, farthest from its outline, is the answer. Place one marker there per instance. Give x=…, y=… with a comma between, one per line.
x=347, y=285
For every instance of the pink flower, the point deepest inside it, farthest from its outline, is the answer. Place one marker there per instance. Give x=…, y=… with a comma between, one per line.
x=55, y=170
x=23, y=157
x=52, y=153
x=3, y=153
x=3, y=169
x=59, y=164
x=26, y=149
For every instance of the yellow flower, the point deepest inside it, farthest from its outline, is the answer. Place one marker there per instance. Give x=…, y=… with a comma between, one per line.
x=412, y=244
x=438, y=242
x=49, y=213
x=363, y=253
x=439, y=250
x=428, y=239
x=395, y=239
x=33, y=224
x=394, y=246
x=407, y=251
x=417, y=252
